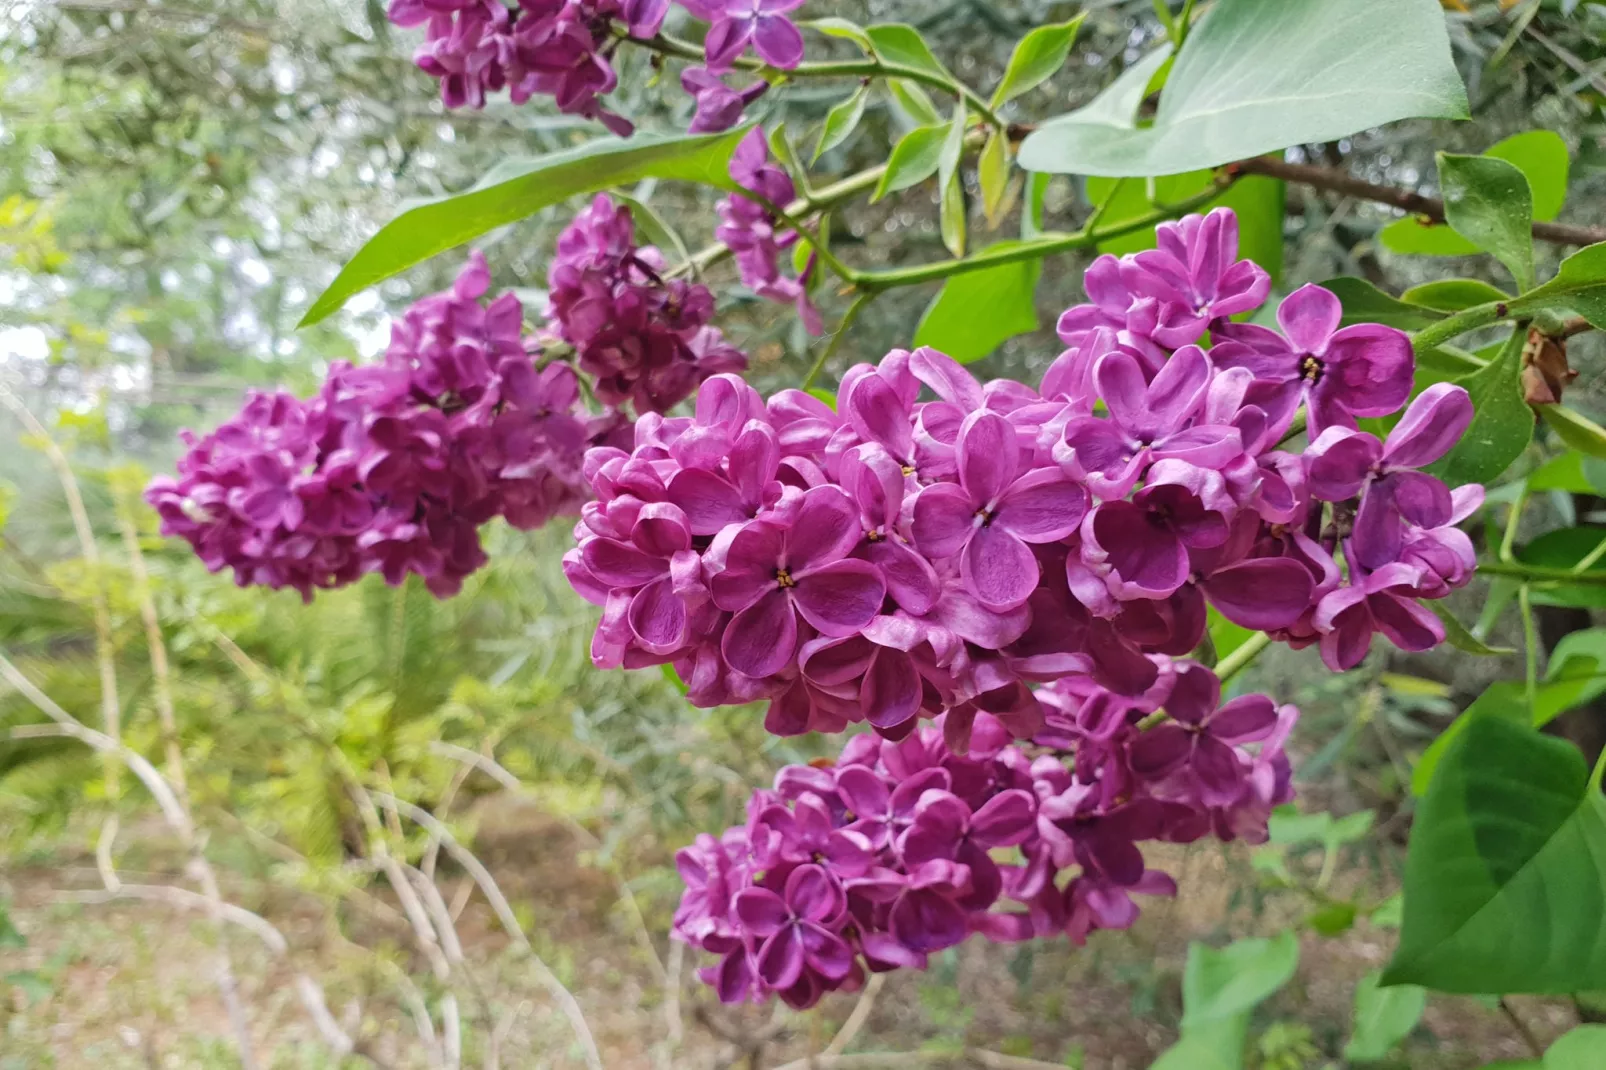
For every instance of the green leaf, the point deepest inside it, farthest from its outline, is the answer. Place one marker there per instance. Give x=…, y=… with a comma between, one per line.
x=952, y=219
x=840, y=122
x=1214, y=1045
x=1582, y=1048
x=1254, y=77
x=1566, y=548
x=1332, y=919
x=1575, y=429
x=842, y=28
x=1457, y=635
x=1037, y=57
x=1031, y=215
x=1502, y=424
x=821, y=394
x=652, y=226
x=1256, y=199
x=1578, y=286
x=427, y=229
x=915, y=158
x=1540, y=155
x=952, y=323
x=1452, y=295
x=1365, y=303
x=897, y=42
x=1571, y=472
x=992, y=173
x=1387, y=914
x=1225, y=636
x=1487, y=202
x=1222, y=984
x=914, y=102
x=1505, y=876
x=1383, y=1017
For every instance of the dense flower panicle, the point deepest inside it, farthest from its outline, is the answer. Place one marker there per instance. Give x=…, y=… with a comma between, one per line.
x=645, y=339
x=935, y=545
x=556, y=48
x=390, y=468
x=893, y=853
x=750, y=230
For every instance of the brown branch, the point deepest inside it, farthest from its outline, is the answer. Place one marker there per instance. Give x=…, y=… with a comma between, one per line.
x=1327, y=178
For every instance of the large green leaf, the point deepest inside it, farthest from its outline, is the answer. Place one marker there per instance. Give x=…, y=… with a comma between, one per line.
x=1583, y=1048
x=978, y=311
x=1541, y=155
x=1037, y=57
x=1383, y=1018
x=1215, y=1045
x=521, y=189
x=1579, y=286
x=1220, y=984
x=1502, y=424
x=1364, y=303
x=1505, y=876
x=1575, y=429
x=1256, y=76
x=1487, y=202
x=1256, y=199
x=1452, y=295
x=1567, y=548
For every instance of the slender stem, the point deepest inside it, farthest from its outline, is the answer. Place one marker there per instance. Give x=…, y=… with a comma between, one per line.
x=1591, y=559
x=1469, y=319
x=1508, y=541
x=1048, y=245
x=1537, y=574
x=1183, y=24
x=1239, y=659
x=1530, y=646
x=870, y=67
x=835, y=343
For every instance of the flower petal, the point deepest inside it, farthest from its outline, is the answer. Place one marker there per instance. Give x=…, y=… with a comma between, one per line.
x=840, y=598
x=1246, y=719
x=1432, y=424
x=781, y=957
x=708, y=500
x=1042, y=506
x=760, y=911
x=1005, y=820
x=891, y=691
x=760, y=640
x=944, y=516
x=813, y=894
x=988, y=455
x=658, y=618
x=778, y=41
x=998, y=568
x=1262, y=594
x=1309, y=316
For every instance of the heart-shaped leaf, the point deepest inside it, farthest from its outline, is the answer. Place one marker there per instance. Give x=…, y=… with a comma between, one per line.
x=1487, y=202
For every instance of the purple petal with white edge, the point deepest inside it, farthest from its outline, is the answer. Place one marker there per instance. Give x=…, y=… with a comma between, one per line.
x=944, y=516
x=840, y=598
x=1338, y=463
x=999, y=568
x=1041, y=506
x=1432, y=424
x=825, y=529
x=760, y=640
x=778, y=41
x=760, y=911
x=1007, y=819
x=1262, y=594
x=813, y=894
x=891, y=691
x=911, y=581
x=658, y=618
x=988, y=454
x=1406, y=622
x=1245, y=719
x=1368, y=369
x=1309, y=316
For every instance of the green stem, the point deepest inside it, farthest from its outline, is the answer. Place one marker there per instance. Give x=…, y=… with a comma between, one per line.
x=1530, y=644
x=870, y=67
x=1469, y=319
x=1239, y=659
x=1048, y=245
x=1540, y=574
x=1183, y=23
x=836, y=339
x=1592, y=558
x=1508, y=542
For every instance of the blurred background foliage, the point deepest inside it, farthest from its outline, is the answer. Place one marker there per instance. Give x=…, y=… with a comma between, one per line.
x=178, y=181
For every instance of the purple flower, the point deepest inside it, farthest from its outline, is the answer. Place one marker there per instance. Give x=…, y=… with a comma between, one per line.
x=796, y=931
x=1381, y=602
x=719, y=107
x=1201, y=736
x=1195, y=276
x=944, y=828
x=739, y=23
x=1144, y=543
x=774, y=575
x=995, y=511
x=750, y=231
x=1361, y=370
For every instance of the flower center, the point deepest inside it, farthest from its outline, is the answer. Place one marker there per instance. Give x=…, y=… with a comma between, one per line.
x=1310, y=369
x=874, y=535
x=908, y=469
x=783, y=579
x=984, y=516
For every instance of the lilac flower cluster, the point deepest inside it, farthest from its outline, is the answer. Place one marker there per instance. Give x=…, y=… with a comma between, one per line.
x=749, y=229
x=893, y=853
x=644, y=338
x=556, y=48
x=896, y=558
x=393, y=467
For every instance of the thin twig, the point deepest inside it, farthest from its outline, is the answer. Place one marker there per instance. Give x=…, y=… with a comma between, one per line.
x=1327, y=178
x=861, y=1014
